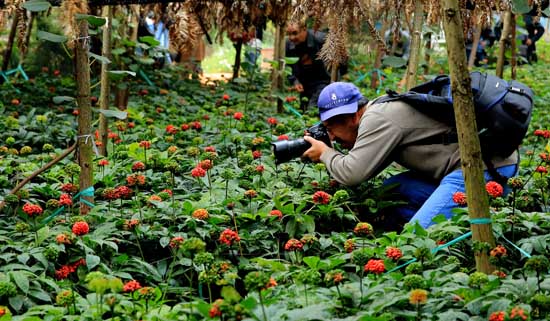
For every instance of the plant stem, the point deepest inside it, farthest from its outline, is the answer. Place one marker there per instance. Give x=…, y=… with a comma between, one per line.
x=305, y=293
x=262, y=304
x=139, y=246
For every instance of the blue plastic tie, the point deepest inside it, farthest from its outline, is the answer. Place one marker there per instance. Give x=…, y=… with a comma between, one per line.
x=147, y=80
x=87, y=192
x=292, y=110
x=522, y=251
x=480, y=220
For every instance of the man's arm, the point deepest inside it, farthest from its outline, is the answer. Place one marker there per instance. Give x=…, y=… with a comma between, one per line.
x=377, y=139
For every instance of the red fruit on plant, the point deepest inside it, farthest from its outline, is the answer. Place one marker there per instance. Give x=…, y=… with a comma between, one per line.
x=15, y=101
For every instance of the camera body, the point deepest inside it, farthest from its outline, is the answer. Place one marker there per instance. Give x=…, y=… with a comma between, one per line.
x=286, y=150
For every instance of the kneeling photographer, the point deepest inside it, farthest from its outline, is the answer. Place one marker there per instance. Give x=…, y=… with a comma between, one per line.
x=377, y=134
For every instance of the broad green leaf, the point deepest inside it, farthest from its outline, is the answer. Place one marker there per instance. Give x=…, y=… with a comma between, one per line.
x=23, y=258
x=164, y=241
x=118, y=51
x=230, y=294
x=146, y=60
x=40, y=295
x=92, y=20
x=102, y=59
x=520, y=6
x=36, y=5
x=44, y=35
x=240, y=80
x=312, y=262
x=21, y=280
x=62, y=99
x=394, y=61
x=120, y=74
x=291, y=60
x=113, y=113
x=150, y=40
x=16, y=302
x=42, y=234
x=92, y=261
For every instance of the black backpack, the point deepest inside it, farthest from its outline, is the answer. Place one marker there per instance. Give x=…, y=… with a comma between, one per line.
x=503, y=111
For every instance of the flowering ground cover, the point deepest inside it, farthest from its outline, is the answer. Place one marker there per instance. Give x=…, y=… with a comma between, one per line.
x=193, y=220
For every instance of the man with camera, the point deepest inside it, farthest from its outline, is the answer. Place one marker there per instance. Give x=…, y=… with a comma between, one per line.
x=377, y=134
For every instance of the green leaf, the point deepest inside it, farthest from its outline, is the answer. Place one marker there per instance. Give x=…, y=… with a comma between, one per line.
x=40, y=295
x=291, y=60
x=325, y=242
x=249, y=303
x=230, y=294
x=118, y=51
x=113, y=113
x=312, y=262
x=16, y=302
x=42, y=234
x=44, y=35
x=240, y=80
x=62, y=99
x=118, y=75
x=520, y=6
x=23, y=258
x=395, y=62
x=21, y=280
x=150, y=40
x=164, y=241
x=92, y=20
x=102, y=59
x=146, y=60
x=92, y=261
x=36, y=5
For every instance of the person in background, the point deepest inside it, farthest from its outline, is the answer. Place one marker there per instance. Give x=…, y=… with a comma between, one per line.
x=535, y=30
x=309, y=74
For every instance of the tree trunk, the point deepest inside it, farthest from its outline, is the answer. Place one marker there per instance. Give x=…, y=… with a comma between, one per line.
x=414, y=57
x=134, y=9
x=514, y=59
x=277, y=80
x=502, y=43
x=27, y=37
x=427, y=47
x=85, y=142
x=9, y=46
x=475, y=44
x=105, y=84
x=470, y=150
x=237, y=65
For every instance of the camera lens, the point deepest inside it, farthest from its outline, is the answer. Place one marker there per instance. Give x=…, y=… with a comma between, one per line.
x=286, y=150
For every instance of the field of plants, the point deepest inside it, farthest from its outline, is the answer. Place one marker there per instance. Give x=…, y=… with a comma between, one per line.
x=190, y=218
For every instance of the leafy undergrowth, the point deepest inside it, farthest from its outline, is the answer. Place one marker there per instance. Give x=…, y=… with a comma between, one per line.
x=193, y=220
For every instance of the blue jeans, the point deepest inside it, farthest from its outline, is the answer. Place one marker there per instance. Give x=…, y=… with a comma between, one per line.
x=426, y=199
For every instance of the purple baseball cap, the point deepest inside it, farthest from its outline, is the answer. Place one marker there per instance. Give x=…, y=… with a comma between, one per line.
x=338, y=98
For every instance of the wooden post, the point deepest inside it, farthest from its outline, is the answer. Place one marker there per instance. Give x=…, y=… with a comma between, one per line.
x=501, y=58
x=105, y=83
x=414, y=56
x=11, y=38
x=468, y=139
x=475, y=44
x=85, y=148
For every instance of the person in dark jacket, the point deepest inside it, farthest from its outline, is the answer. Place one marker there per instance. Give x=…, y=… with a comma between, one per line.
x=535, y=30
x=309, y=74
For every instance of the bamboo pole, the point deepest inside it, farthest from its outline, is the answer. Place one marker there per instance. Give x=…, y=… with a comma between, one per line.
x=85, y=112
x=470, y=150
x=105, y=83
x=412, y=68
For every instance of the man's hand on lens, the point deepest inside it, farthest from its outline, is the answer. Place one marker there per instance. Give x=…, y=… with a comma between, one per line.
x=316, y=150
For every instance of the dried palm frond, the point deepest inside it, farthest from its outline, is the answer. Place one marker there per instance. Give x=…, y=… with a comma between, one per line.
x=185, y=32
x=69, y=10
